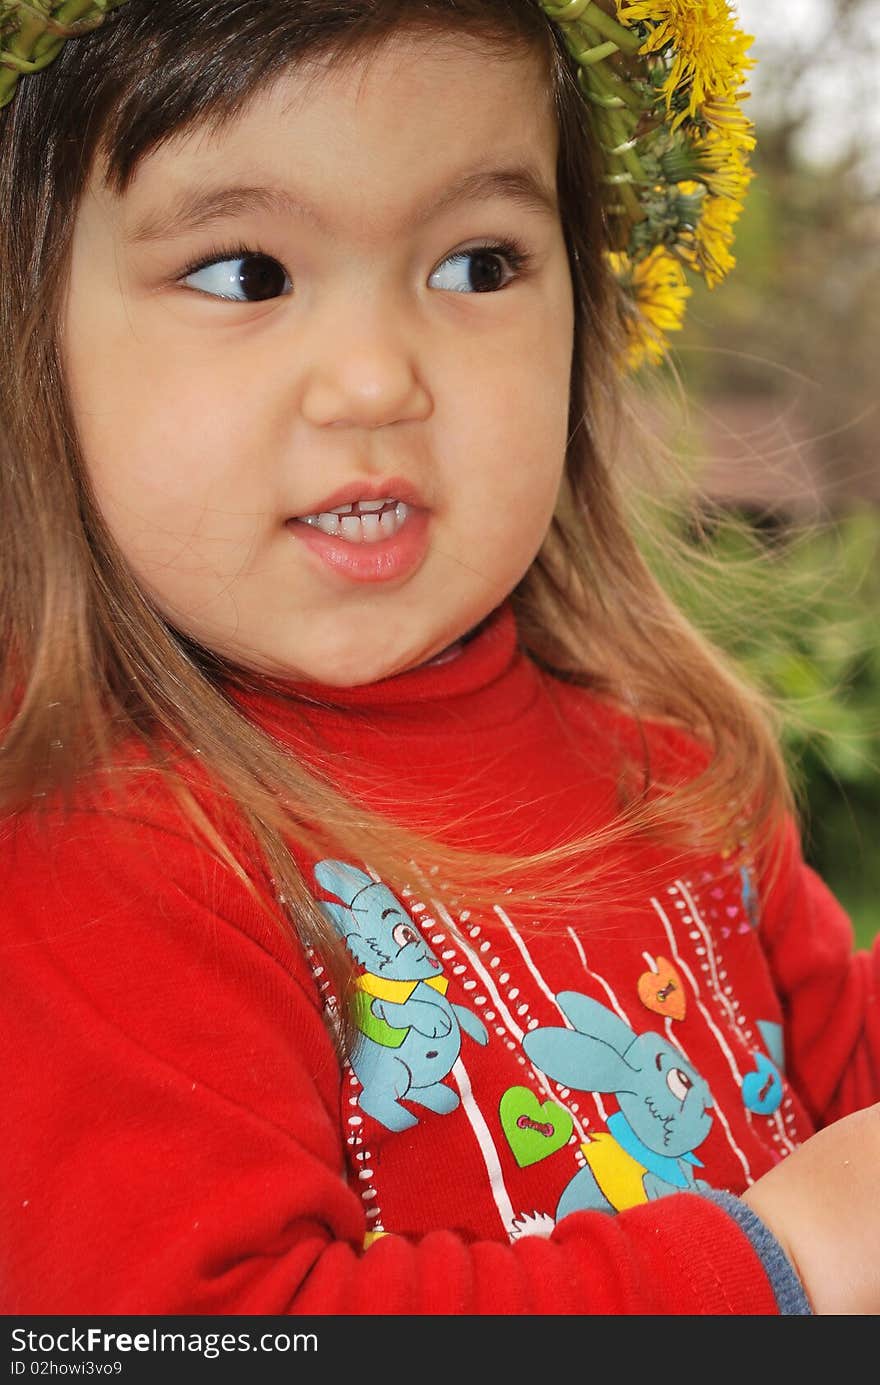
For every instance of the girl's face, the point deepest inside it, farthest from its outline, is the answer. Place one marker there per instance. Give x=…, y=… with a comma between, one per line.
x=356, y=292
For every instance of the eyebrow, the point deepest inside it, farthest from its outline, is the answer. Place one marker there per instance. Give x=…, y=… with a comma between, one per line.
x=195, y=208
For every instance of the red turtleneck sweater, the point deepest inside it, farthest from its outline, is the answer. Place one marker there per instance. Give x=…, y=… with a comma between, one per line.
x=533, y=1112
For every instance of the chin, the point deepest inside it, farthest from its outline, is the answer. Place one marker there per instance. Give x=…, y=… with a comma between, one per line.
x=360, y=673
x=351, y=670
x=332, y=660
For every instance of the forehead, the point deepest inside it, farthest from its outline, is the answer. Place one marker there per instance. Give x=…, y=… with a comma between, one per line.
x=374, y=135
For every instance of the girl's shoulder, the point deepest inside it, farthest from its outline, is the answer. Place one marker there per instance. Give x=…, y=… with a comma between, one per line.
x=123, y=809
x=623, y=727
x=123, y=837
x=122, y=857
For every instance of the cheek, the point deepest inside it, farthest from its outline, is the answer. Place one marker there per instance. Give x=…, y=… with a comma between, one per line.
x=166, y=455
x=168, y=495
x=532, y=395
x=157, y=429
x=526, y=432
x=509, y=508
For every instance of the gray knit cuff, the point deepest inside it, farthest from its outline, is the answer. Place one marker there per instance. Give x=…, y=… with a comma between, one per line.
x=791, y=1298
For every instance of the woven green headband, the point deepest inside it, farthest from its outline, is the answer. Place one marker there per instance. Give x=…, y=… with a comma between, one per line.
x=663, y=81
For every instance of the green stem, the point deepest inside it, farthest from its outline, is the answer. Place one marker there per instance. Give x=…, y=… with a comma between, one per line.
x=628, y=157
x=20, y=46
x=68, y=13
x=24, y=67
x=607, y=128
x=634, y=209
x=617, y=130
x=623, y=120
x=37, y=46
x=609, y=85
x=586, y=57
x=609, y=28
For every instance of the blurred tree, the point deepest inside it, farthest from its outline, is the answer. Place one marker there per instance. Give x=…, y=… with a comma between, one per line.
x=799, y=617
x=798, y=322
x=781, y=375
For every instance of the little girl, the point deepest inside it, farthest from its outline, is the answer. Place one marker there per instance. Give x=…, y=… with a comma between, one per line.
x=402, y=911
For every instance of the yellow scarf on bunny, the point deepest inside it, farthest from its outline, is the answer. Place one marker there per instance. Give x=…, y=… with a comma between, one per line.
x=369, y=987
x=398, y=991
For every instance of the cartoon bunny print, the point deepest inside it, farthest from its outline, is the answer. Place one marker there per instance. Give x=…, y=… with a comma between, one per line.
x=410, y=1034
x=647, y=1149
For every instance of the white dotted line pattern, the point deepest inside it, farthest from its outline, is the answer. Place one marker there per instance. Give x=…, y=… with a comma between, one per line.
x=723, y=992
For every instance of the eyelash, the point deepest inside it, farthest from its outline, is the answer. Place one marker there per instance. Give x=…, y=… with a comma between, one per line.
x=519, y=259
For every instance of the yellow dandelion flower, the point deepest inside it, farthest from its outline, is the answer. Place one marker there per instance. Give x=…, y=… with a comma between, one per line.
x=644, y=345
x=658, y=291
x=714, y=161
x=714, y=237
x=727, y=173
x=661, y=290
x=726, y=117
x=680, y=168
x=708, y=50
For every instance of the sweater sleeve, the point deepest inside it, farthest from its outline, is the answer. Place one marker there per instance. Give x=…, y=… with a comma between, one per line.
x=171, y=1141
x=830, y=993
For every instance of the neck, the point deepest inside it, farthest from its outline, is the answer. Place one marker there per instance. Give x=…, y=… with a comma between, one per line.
x=453, y=650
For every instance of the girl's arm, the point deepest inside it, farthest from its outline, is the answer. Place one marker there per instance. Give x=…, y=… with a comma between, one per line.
x=830, y=994
x=170, y=1135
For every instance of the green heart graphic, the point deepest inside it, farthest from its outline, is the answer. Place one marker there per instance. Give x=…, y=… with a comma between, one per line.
x=533, y=1131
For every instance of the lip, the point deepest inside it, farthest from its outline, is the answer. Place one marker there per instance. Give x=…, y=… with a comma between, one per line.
x=387, y=560
x=391, y=488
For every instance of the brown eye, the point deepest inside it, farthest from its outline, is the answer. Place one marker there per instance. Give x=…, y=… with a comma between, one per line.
x=678, y=1083
x=483, y=269
x=261, y=277
x=487, y=273
x=248, y=278
x=404, y=933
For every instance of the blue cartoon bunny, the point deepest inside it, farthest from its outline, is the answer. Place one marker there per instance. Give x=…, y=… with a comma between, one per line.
x=410, y=1032
x=647, y=1150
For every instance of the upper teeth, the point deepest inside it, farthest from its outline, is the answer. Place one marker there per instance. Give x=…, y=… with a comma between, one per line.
x=365, y=505
x=365, y=521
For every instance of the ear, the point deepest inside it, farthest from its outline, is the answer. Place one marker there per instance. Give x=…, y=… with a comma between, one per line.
x=341, y=879
x=578, y=1061
x=343, y=919
x=346, y=925
x=591, y=1017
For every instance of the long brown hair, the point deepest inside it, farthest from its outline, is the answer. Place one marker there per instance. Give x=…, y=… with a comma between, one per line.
x=90, y=665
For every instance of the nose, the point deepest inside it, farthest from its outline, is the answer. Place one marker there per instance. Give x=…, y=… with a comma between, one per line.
x=362, y=371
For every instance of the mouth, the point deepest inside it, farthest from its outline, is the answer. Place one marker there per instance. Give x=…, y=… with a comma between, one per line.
x=364, y=534
x=666, y=1121
x=363, y=521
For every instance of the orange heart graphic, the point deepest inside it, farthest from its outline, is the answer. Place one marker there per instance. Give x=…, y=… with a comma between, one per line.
x=662, y=991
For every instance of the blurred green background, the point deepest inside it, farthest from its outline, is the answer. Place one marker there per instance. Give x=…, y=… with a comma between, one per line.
x=772, y=400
